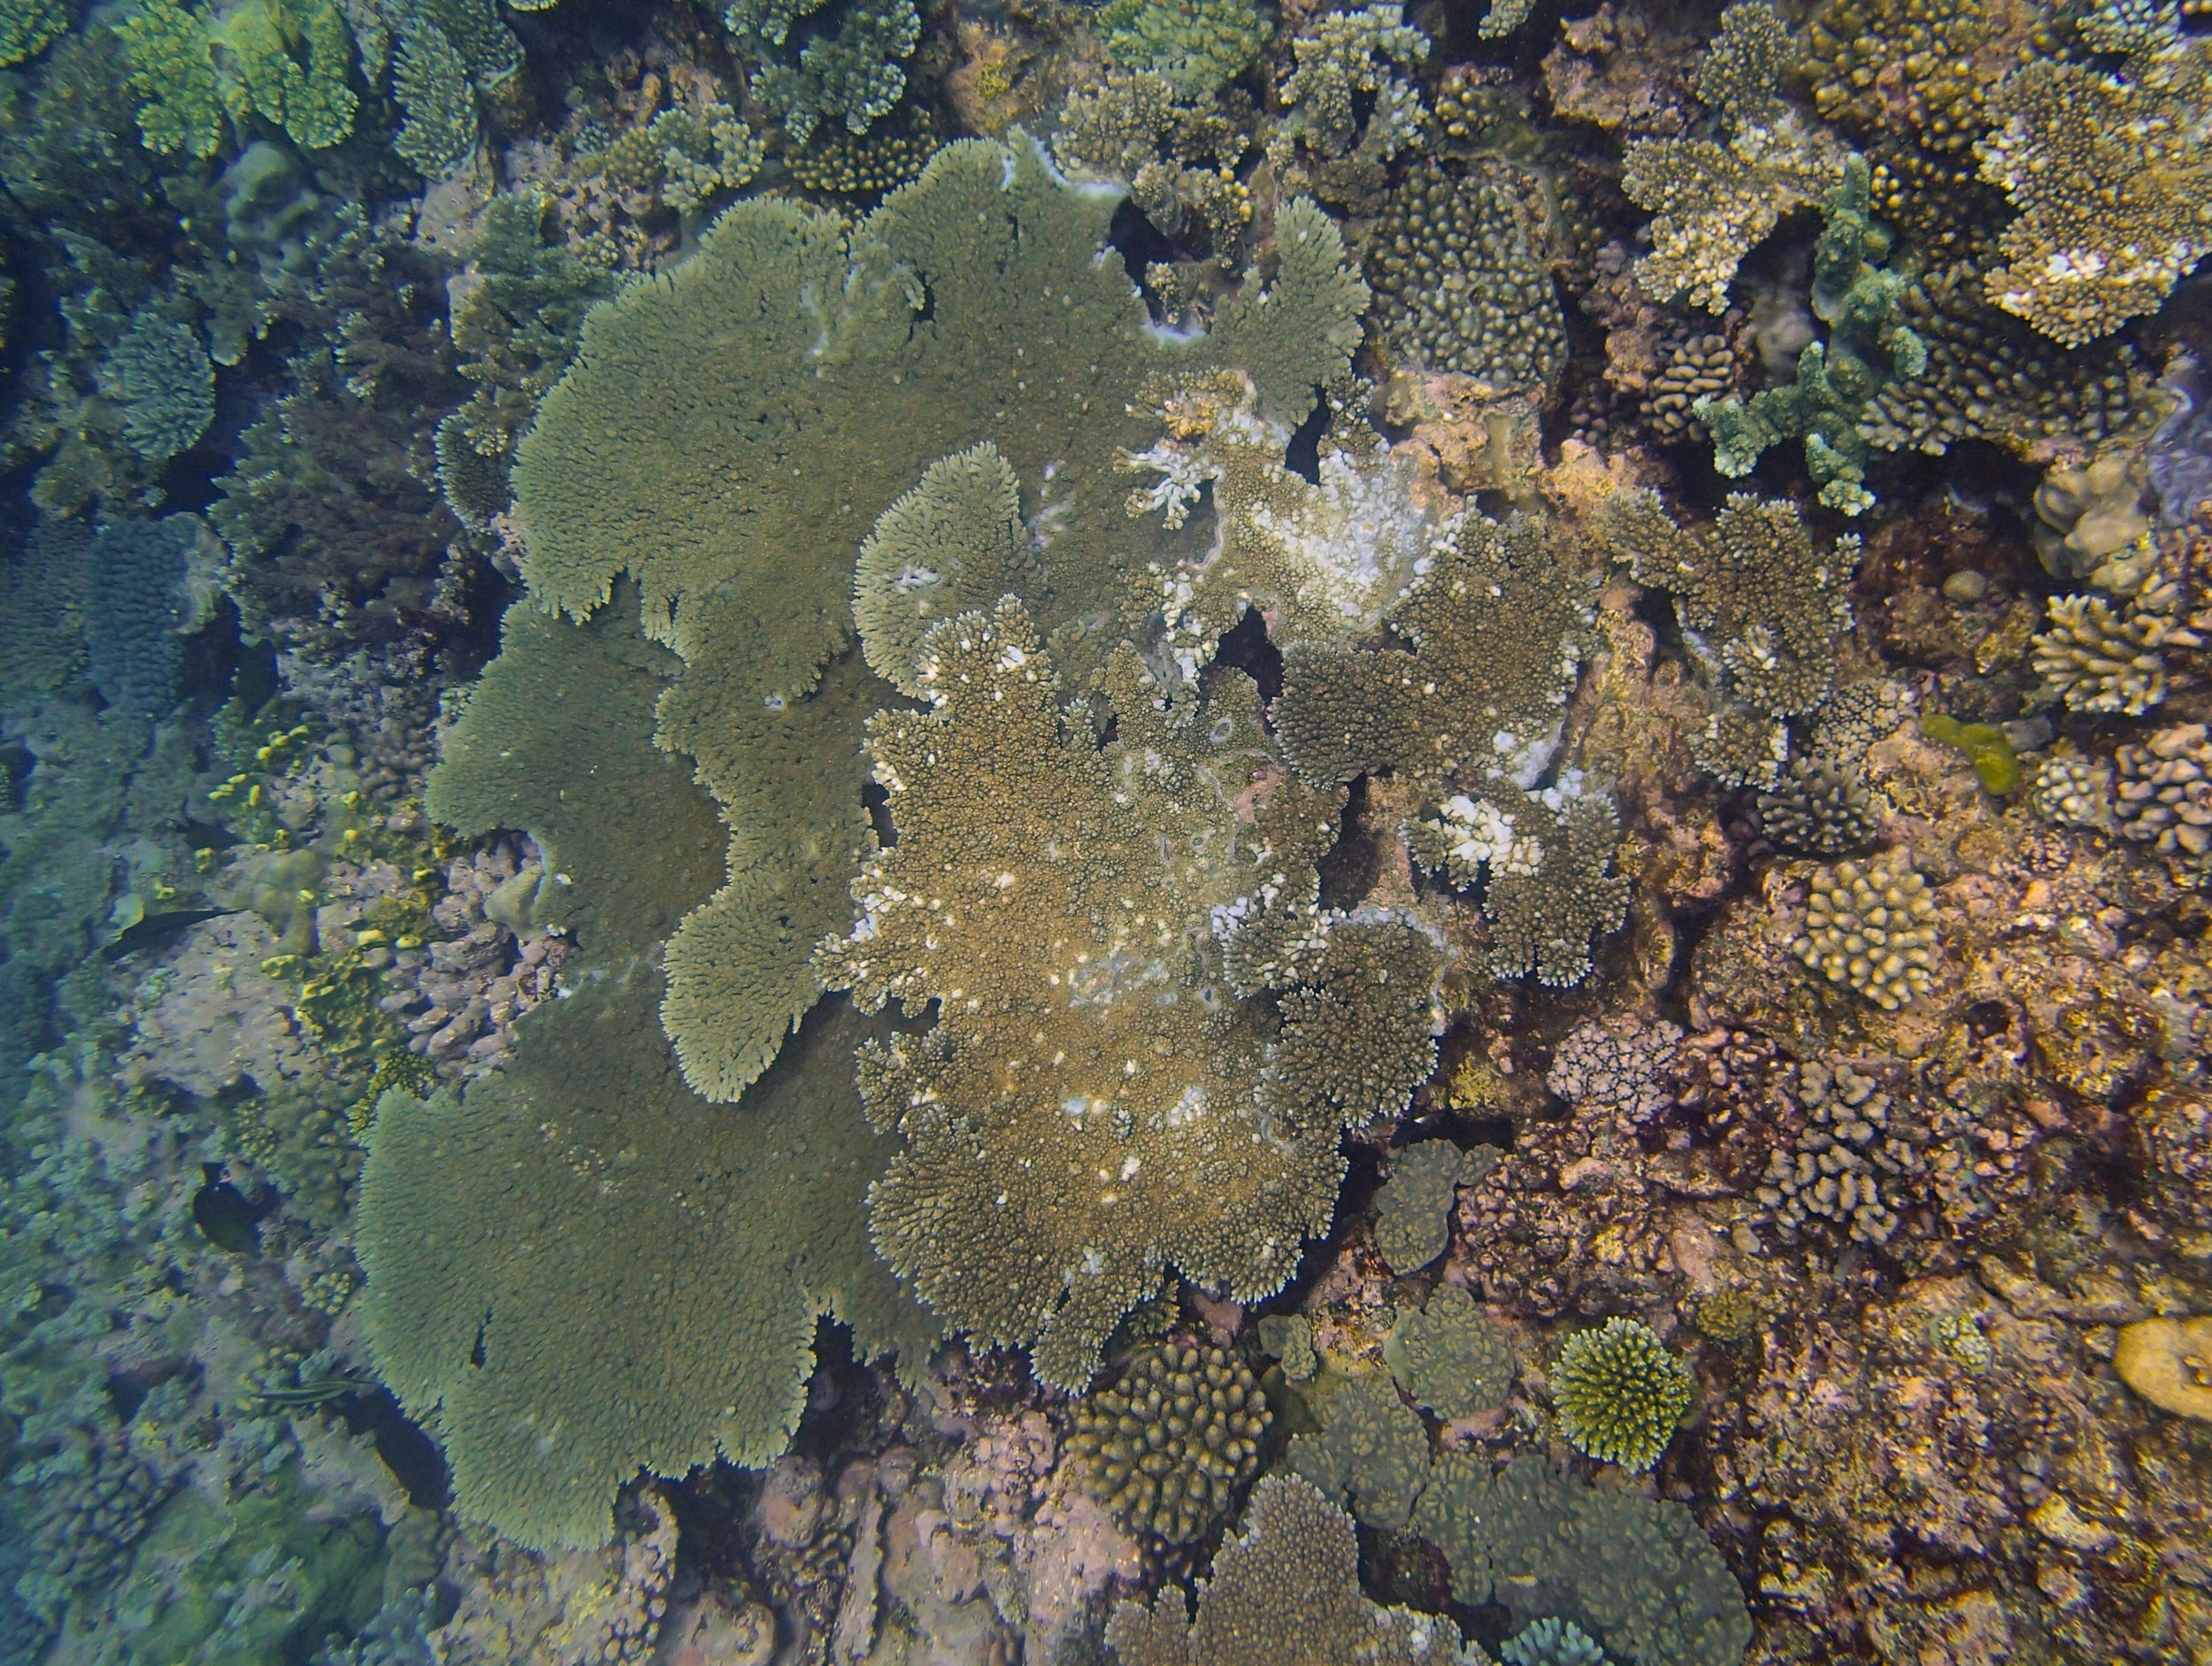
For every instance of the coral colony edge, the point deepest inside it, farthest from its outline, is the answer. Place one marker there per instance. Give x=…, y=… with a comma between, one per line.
x=1105, y=833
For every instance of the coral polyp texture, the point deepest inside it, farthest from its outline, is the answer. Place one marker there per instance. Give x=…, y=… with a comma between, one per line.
x=1173, y=1441
x=1104, y=1095
x=1870, y=927
x=1620, y=1392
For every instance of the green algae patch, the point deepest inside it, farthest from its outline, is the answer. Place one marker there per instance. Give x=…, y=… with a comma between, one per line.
x=1987, y=749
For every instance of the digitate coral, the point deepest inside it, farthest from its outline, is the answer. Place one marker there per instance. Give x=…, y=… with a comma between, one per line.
x=1199, y=45
x=1871, y=926
x=1620, y=1393
x=1855, y=1140
x=1093, y=961
x=1989, y=377
x=1348, y=109
x=839, y=162
x=28, y=27
x=2108, y=173
x=1169, y=1446
x=972, y=305
x=1453, y=259
x=2162, y=796
x=1821, y=807
x=1284, y=1593
x=1176, y=152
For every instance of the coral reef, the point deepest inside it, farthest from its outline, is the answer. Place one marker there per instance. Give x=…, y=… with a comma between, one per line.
x=1433, y=942
x=1871, y=926
x=1620, y=1394
x=1167, y=877
x=1168, y=1446
x=1287, y=1589
x=611, y=450
x=1454, y=263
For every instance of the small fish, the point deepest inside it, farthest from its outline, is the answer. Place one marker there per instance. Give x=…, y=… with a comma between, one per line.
x=315, y=1391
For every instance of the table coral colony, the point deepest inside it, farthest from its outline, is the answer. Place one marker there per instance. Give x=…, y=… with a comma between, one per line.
x=1168, y=832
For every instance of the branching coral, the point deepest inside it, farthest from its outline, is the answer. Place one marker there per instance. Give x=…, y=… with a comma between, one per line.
x=288, y=62
x=1349, y=109
x=1108, y=1090
x=1200, y=45
x=2163, y=795
x=2108, y=173
x=1176, y=153
x=852, y=74
x=2097, y=657
x=1761, y=604
x=688, y=446
x=1712, y=201
x=159, y=373
x=1284, y=1593
x=1868, y=345
x=1620, y=1393
x=1856, y=1138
